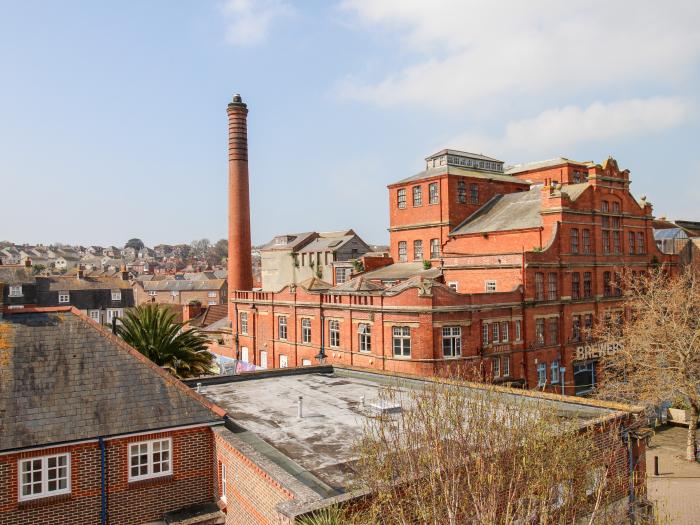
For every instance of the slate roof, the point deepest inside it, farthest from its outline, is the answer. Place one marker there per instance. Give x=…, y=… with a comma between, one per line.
x=358, y=284
x=295, y=240
x=461, y=153
x=539, y=164
x=513, y=211
x=464, y=172
x=67, y=283
x=67, y=379
x=16, y=275
x=315, y=284
x=325, y=244
x=181, y=285
x=399, y=271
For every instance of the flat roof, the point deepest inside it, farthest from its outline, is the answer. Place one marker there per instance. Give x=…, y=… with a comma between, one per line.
x=318, y=449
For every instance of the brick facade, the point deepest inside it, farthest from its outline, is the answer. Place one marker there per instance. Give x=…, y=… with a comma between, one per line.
x=539, y=285
x=128, y=503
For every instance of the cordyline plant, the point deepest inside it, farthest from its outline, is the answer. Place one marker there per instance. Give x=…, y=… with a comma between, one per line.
x=656, y=339
x=153, y=331
x=455, y=456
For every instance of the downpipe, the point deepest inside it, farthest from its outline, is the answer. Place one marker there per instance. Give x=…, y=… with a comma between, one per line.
x=103, y=481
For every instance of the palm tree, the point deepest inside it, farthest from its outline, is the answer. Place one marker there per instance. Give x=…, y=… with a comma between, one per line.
x=153, y=331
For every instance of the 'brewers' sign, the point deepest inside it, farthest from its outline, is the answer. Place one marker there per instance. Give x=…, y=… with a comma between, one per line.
x=594, y=351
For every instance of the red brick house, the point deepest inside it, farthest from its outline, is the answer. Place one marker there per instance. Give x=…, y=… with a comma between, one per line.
x=499, y=274
x=93, y=432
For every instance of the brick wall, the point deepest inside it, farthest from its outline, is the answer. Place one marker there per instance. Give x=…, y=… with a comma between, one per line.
x=128, y=503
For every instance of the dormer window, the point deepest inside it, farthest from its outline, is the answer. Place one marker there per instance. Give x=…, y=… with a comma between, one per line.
x=116, y=295
x=15, y=290
x=63, y=297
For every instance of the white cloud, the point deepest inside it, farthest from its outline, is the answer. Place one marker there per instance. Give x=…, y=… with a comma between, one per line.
x=467, y=52
x=555, y=131
x=249, y=21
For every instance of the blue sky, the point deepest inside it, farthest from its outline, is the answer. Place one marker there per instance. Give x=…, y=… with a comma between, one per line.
x=113, y=121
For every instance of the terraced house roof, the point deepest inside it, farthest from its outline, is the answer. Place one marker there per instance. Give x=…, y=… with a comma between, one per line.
x=64, y=378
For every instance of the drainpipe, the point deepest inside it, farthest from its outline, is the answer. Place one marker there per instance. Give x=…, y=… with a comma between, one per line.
x=103, y=481
x=630, y=468
x=235, y=324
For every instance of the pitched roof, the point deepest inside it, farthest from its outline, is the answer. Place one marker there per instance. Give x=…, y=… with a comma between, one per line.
x=464, y=172
x=16, y=275
x=513, y=211
x=461, y=154
x=288, y=241
x=398, y=271
x=327, y=243
x=574, y=191
x=181, y=285
x=539, y=164
x=67, y=379
x=68, y=283
x=358, y=284
x=315, y=284
x=210, y=315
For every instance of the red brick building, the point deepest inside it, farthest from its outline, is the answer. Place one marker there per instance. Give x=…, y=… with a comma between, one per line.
x=92, y=431
x=499, y=274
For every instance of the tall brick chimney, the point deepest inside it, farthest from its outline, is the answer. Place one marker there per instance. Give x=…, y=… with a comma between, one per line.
x=240, y=267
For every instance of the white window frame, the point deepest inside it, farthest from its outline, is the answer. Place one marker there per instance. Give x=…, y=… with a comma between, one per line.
x=341, y=275
x=63, y=297
x=116, y=295
x=306, y=362
x=305, y=331
x=152, y=293
x=112, y=313
x=518, y=330
x=365, y=337
x=495, y=332
x=554, y=374
x=401, y=341
x=506, y=366
x=244, y=323
x=150, y=463
x=94, y=315
x=541, y=374
x=496, y=366
x=15, y=290
x=223, y=482
x=44, y=473
x=333, y=333
x=454, y=285
x=284, y=361
x=211, y=294
x=212, y=303
x=282, y=328
x=175, y=293
x=490, y=286
x=451, y=342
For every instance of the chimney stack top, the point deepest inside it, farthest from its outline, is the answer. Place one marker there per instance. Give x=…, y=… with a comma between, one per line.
x=237, y=101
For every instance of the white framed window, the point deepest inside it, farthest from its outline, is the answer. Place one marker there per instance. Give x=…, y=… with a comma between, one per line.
x=518, y=329
x=453, y=285
x=418, y=250
x=555, y=371
x=541, y=374
x=152, y=293
x=282, y=327
x=401, y=341
x=113, y=313
x=506, y=366
x=433, y=193
x=244, y=323
x=174, y=293
x=401, y=198
x=263, y=359
x=334, y=333
x=150, y=459
x=495, y=331
x=485, y=334
x=212, y=303
x=44, y=476
x=63, y=297
x=490, y=286
x=94, y=315
x=306, y=362
x=504, y=331
x=284, y=362
x=116, y=295
x=244, y=354
x=451, y=341
x=496, y=366
x=211, y=294
x=365, y=331
x=341, y=275
x=403, y=251
x=306, y=331
x=223, y=482
x=15, y=290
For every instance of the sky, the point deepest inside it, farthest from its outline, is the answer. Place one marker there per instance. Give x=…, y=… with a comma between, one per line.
x=113, y=114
